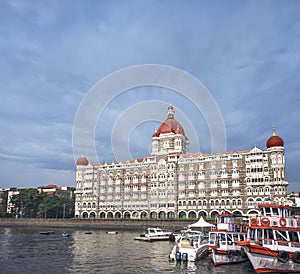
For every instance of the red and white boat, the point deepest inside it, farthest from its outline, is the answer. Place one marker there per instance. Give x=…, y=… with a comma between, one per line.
x=272, y=243
x=223, y=241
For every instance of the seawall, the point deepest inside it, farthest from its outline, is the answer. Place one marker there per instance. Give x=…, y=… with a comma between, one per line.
x=104, y=224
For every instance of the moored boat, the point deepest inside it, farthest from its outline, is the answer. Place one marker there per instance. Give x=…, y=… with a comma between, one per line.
x=154, y=234
x=47, y=232
x=223, y=241
x=273, y=240
x=112, y=232
x=191, y=246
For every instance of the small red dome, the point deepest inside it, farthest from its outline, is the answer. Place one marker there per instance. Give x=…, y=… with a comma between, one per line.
x=274, y=140
x=82, y=161
x=171, y=125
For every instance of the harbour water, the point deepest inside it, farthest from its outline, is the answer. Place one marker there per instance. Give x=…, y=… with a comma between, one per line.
x=25, y=250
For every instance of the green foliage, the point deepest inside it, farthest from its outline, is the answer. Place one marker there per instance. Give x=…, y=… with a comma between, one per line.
x=56, y=207
x=26, y=203
x=30, y=203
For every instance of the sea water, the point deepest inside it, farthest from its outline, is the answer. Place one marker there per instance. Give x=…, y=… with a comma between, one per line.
x=25, y=250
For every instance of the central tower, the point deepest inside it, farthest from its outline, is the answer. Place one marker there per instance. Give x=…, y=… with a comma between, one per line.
x=169, y=137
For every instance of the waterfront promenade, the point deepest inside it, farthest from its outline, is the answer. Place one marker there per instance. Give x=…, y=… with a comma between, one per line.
x=104, y=224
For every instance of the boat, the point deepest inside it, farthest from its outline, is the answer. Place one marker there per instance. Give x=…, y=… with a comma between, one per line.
x=47, y=232
x=112, y=232
x=154, y=234
x=65, y=234
x=191, y=246
x=223, y=241
x=272, y=243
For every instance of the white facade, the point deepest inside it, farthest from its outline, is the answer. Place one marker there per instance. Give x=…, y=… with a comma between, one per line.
x=171, y=183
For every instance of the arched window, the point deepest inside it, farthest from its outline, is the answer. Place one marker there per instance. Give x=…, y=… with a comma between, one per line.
x=250, y=201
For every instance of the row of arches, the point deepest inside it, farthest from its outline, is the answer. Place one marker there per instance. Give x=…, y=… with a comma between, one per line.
x=192, y=214
x=216, y=202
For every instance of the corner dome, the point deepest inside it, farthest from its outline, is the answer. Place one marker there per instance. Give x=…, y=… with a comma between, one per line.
x=274, y=140
x=82, y=161
x=171, y=125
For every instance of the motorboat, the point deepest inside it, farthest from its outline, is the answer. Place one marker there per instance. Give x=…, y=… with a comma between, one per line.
x=223, y=241
x=191, y=246
x=50, y=232
x=112, y=232
x=154, y=234
x=273, y=240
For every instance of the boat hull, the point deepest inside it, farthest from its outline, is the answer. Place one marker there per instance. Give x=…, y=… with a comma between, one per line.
x=221, y=257
x=270, y=264
x=152, y=238
x=189, y=254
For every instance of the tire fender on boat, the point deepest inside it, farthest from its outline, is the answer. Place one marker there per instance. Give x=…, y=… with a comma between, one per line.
x=296, y=257
x=283, y=256
x=230, y=253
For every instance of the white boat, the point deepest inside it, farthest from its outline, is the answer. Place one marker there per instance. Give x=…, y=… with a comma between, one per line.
x=273, y=240
x=112, y=232
x=223, y=241
x=154, y=234
x=191, y=246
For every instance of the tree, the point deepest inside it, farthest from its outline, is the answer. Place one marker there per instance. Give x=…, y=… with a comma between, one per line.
x=26, y=203
x=54, y=206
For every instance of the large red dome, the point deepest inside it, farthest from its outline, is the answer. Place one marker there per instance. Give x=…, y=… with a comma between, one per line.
x=274, y=140
x=171, y=125
x=82, y=161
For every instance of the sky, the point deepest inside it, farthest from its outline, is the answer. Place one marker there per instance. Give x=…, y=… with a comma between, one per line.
x=54, y=54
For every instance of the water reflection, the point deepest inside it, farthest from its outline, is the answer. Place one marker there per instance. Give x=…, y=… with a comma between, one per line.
x=24, y=250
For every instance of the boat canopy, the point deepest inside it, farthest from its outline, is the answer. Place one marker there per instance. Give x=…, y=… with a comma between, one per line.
x=201, y=223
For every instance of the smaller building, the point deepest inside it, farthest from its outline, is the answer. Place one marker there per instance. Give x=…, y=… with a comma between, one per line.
x=61, y=191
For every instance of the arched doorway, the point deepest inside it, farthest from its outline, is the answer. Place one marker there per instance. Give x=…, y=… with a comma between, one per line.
x=192, y=215
x=144, y=215
x=118, y=215
x=153, y=215
x=127, y=215
x=182, y=215
x=171, y=215
x=162, y=215
x=92, y=215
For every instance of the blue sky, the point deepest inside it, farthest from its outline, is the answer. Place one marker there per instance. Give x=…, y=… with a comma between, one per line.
x=246, y=53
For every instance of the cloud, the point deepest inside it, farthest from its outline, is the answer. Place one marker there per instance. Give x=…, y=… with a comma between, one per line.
x=53, y=52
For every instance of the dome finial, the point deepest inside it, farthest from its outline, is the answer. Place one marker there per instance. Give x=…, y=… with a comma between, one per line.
x=170, y=112
x=273, y=130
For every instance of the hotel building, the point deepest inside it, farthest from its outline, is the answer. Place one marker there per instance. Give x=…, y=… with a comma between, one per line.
x=172, y=183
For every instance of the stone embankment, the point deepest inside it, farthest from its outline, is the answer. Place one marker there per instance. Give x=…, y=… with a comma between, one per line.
x=104, y=224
